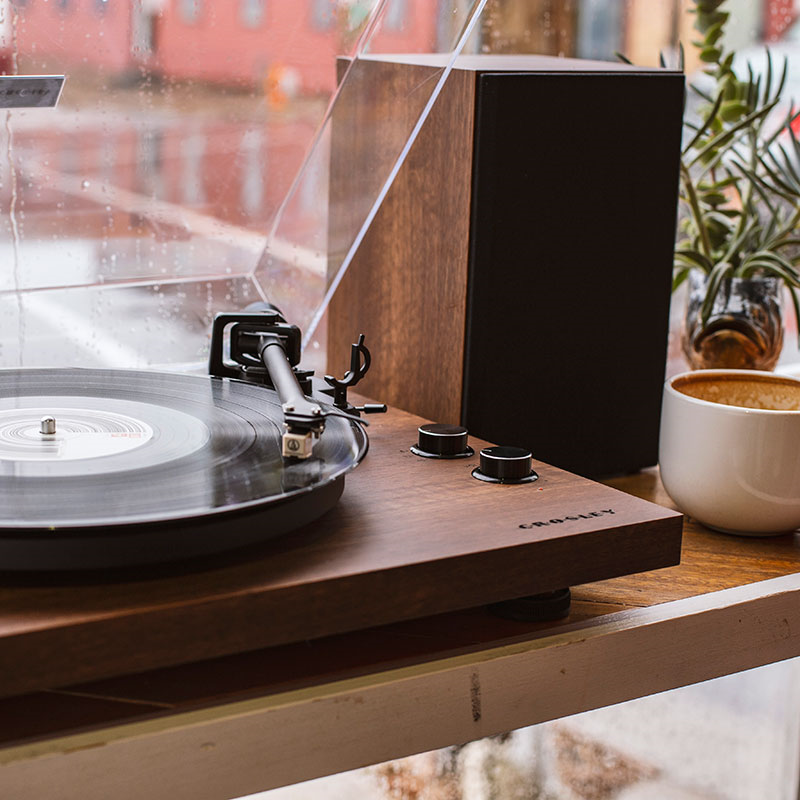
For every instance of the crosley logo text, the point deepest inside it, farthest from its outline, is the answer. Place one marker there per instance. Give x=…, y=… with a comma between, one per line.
x=567, y=518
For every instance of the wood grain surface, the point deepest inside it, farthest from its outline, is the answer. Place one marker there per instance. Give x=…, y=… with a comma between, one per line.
x=406, y=287
x=710, y=562
x=411, y=537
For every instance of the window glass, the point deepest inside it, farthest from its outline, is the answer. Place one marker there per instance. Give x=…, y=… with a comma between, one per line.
x=323, y=14
x=599, y=28
x=175, y=156
x=190, y=10
x=143, y=203
x=396, y=15
x=252, y=12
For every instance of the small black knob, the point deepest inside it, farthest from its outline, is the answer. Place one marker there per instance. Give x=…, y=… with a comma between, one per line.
x=504, y=464
x=442, y=441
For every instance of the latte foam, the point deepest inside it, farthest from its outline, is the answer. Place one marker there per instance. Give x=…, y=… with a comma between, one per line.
x=769, y=393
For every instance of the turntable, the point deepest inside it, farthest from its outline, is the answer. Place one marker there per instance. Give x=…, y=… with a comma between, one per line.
x=233, y=481
x=115, y=468
x=150, y=519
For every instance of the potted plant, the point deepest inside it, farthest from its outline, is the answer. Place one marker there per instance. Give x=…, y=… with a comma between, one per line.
x=739, y=207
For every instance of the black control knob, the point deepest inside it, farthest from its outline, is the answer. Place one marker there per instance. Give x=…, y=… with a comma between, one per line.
x=442, y=441
x=505, y=464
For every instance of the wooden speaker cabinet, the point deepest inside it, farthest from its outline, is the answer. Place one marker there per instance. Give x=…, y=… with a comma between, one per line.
x=516, y=278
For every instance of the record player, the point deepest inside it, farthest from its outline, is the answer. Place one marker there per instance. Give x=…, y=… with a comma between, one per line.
x=118, y=468
x=104, y=469
x=212, y=510
x=163, y=507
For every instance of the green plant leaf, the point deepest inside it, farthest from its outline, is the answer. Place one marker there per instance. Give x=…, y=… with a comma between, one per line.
x=722, y=183
x=724, y=138
x=778, y=259
x=754, y=91
x=707, y=19
x=704, y=127
x=786, y=167
x=793, y=137
x=788, y=226
x=772, y=263
x=712, y=34
x=731, y=110
x=693, y=258
x=738, y=241
x=786, y=127
x=713, y=199
x=737, y=188
x=796, y=306
x=752, y=87
x=753, y=266
x=711, y=165
x=700, y=93
x=720, y=219
x=782, y=81
x=768, y=78
x=721, y=271
x=764, y=195
x=758, y=180
x=710, y=55
x=781, y=182
x=708, y=6
x=694, y=209
x=679, y=276
x=769, y=231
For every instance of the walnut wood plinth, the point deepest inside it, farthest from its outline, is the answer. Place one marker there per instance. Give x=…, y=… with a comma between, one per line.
x=411, y=537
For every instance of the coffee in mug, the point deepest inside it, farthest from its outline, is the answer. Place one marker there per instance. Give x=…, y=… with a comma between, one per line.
x=770, y=392
x=729, y=449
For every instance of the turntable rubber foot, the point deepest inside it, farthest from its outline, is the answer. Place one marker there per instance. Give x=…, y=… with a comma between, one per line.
x=544, y=607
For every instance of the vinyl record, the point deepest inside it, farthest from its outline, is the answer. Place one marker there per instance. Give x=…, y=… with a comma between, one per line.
x=144, y=467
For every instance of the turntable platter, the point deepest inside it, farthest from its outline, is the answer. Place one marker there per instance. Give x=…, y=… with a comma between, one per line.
x=174, y=465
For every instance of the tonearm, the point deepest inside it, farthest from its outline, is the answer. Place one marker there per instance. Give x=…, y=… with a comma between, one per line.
x=263, y=347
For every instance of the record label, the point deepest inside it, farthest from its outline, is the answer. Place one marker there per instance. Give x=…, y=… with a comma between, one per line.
x=67, y=434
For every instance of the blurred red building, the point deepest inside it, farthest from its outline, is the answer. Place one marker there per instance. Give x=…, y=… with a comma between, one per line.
x=218, y=41
x=778, y=16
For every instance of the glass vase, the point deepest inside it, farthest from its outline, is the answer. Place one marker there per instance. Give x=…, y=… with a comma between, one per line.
x=744, y=329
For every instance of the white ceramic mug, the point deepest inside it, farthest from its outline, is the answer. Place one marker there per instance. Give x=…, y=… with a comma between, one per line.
x=733, y=468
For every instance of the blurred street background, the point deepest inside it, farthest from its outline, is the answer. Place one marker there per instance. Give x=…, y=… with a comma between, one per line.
x=142, y=204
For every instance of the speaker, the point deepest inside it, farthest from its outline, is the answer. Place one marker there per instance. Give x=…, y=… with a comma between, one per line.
x=516, y=279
